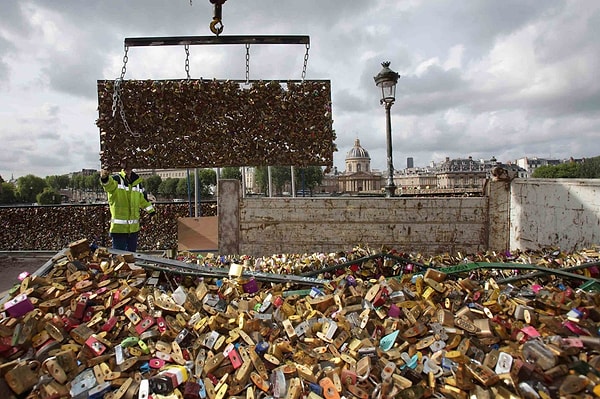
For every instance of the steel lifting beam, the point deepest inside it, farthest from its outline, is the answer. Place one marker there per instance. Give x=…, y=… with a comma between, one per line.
x=518, y=266
x=211, y=40
x=183, y=268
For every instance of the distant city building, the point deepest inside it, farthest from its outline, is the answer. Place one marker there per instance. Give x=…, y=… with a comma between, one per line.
x=163, y=173
x=450, y=175
x=531, y=164
x=358, y=176
x=461, y=173
x=249, y=176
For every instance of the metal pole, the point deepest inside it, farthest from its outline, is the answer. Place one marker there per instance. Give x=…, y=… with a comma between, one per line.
x=292, y=171
x=390, y=188
x=196, y=192
x=244, y=188
x=270, y=181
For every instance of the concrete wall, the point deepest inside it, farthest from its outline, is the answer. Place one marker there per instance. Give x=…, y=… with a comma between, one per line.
x=306, y=225
x=522, y=214
x=562, y=213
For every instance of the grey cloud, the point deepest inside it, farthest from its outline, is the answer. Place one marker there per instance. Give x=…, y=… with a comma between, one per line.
x=432, y=91
x=443, y=24
x=345, y=101
x=14, y=17
x=567, y=31
x=72, y=77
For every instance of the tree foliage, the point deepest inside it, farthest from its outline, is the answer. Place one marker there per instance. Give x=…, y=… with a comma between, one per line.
x=7, y=193
x=168, y=187
x=305, y=178
x=569, y=170
x=28, y=187
x=308, y=178
x=58, y=182
x=182, y=187
x=48, y=197
x=590, y=168
x=152, y=183
x=231, y=172
x=207, y=177
x=280, y=175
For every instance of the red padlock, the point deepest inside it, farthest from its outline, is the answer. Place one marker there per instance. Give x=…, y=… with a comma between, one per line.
x=162, y=325
x=380, y=298
x=145, y=324
x=110, y=324
x=80, y=307
x=234, y=357
x=96, y=346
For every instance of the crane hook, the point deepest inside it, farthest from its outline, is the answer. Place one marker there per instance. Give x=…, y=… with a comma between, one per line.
x=216, y=26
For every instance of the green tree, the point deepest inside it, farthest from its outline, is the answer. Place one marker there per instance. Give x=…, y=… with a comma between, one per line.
x=231, y=172
x=568, y=170
x=92, y=182
x=7, y=193
x=28, y=187
x=280, y=176
x=48, y=196
x=590, y=168
x=152, y=183
x=58, y=182
x=182, y=186
x=544, y=172
x=78, y=182
x=308, y=177
x=207, y=177
x=208, y=182
x=168, y=187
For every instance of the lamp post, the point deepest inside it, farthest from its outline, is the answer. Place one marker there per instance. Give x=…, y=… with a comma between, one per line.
x=386, y=80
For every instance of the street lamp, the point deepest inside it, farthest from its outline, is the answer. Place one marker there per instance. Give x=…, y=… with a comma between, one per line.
x=386, y=80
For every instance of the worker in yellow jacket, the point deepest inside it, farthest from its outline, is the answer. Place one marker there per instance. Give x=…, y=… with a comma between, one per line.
x=126, y=197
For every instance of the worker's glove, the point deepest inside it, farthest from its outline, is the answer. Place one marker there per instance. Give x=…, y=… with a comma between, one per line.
x=154, y=217
x=104, y=174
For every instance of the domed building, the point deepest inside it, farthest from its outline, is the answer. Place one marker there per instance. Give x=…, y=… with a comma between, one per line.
x=358, y=176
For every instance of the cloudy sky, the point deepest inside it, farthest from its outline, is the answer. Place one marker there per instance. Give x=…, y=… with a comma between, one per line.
x=479, y=78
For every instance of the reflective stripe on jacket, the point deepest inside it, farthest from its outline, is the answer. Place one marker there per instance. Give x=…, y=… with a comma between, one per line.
x=125, y=199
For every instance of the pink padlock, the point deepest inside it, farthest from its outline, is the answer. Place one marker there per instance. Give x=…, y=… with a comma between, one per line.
x=394, y=311
x=250, y=287
x=18, y=306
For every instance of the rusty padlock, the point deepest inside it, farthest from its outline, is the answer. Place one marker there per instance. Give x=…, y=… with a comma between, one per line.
x=23, y=376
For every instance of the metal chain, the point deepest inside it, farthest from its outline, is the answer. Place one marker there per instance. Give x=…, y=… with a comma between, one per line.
x=116, y=96
x=187, y=61
x=305, y=61
x=125, y=59
x=117, y=101
x=247, y=63
x=117, y=88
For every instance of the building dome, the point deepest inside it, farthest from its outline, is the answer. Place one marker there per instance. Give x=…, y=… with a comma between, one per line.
x=357, y=159
x=357, y=151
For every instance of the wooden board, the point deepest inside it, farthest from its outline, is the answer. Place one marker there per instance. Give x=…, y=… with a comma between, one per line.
x=198, y=234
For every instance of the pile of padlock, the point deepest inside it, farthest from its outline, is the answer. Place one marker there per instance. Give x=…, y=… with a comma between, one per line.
x=98, y=325
x=189, y=123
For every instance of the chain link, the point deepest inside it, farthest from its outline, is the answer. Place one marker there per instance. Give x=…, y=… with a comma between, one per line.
x=247, y=63
x=187, y=61
x=117, y=101
x=305, y=62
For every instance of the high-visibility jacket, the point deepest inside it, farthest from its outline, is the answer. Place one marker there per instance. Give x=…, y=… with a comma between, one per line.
x=125, y=199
